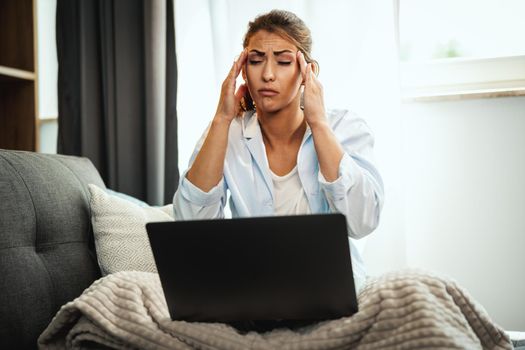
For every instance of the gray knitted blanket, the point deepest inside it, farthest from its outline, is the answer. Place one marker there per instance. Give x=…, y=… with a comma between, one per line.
x=402, y=310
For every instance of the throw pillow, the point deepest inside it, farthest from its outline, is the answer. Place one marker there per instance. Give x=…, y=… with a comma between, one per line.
x=121, y=240
x=127, y=197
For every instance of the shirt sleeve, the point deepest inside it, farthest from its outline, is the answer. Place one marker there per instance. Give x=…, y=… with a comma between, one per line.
x=358, y=191
x=190, y=202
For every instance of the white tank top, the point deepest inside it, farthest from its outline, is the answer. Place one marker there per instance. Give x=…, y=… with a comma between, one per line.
x=289, y=196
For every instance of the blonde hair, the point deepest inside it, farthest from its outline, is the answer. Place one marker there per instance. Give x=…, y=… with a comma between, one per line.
x=287, y=25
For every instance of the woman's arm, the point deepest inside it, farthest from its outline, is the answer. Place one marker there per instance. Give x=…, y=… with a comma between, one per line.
x=349, y=179
x=358, y=190
x=207, y=169
x=202, y=191
x=329, y=150
x=190, y=202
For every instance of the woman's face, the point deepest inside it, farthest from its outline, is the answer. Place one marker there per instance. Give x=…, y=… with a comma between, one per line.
x=272, y=71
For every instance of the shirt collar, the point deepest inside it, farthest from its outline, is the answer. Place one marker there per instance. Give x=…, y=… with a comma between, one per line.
x=251, y=126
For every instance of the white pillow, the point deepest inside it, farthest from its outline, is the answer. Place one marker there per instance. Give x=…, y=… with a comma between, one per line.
x=121, y=240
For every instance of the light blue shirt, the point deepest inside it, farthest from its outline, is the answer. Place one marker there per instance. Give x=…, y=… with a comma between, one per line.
x=357, y=192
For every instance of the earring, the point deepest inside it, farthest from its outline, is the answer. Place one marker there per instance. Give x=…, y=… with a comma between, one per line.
x=301, y=103
x=247, y=106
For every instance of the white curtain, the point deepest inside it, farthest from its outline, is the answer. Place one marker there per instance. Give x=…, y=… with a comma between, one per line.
x=355, y=43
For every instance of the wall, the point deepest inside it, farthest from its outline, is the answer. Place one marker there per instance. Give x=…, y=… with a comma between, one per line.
x=464, y=170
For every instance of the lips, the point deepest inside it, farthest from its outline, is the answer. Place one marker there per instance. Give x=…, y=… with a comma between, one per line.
x=267, y=92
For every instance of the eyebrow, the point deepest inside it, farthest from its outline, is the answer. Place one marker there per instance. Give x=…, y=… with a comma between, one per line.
x=276, y=53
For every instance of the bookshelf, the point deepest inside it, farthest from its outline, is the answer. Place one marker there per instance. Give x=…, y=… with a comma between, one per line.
x=18, y=75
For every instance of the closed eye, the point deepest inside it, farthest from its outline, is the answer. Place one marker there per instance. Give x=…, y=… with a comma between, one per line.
x=283, y=63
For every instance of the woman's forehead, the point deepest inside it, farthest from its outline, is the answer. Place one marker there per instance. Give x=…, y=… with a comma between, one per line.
x=266, y=41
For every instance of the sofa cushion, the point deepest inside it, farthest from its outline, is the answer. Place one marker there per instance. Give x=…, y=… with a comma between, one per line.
x=119, y=225
x=47, y=255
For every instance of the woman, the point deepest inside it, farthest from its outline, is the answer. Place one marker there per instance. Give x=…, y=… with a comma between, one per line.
x=275, y=148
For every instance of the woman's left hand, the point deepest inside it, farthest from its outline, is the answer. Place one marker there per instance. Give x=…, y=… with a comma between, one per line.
x=313, y=92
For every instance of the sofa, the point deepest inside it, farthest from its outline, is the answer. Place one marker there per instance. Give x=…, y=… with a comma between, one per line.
x=47, y=254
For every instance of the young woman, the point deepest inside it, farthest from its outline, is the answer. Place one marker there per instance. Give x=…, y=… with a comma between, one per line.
x=275, y=148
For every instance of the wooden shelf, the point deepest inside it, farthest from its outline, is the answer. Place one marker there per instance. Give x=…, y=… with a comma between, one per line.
x=18, y=76
x=14, y=73
x=17, y=34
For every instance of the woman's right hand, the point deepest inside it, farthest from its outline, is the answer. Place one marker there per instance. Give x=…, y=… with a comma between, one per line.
x=229, y=102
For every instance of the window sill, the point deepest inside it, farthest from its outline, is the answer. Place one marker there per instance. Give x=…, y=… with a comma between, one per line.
x=462, y=78
x=464, y=95
x=47, y=119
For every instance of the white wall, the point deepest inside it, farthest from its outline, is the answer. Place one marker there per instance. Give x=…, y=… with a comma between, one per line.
x=464, y=165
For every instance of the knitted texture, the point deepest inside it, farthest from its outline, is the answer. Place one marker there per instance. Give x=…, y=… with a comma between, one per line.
x=402, y=310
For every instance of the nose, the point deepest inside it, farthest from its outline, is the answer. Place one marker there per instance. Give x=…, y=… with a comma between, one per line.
x=268, y=74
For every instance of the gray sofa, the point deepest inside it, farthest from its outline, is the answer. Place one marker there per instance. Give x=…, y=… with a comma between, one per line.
x=47, y=254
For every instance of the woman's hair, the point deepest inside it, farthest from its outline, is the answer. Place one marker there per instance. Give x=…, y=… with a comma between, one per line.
x=287, y=25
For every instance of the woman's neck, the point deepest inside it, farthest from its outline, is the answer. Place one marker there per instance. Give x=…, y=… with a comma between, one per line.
x=282, y=128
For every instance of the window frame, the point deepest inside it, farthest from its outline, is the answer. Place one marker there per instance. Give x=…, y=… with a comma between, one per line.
x=458, y=78
x=461, y=77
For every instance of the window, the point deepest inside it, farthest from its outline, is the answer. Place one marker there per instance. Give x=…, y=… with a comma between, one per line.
x=47, y=76
x=465, y=48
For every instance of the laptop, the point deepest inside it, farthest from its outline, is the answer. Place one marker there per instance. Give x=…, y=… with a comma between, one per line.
x=260, y=268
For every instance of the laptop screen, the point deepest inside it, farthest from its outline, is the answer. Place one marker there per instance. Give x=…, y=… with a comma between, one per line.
x=265, y=268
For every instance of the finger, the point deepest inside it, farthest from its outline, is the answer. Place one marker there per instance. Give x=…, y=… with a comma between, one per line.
x=234, y=70
x=314, y=76
x=240, y=62
x=315, y=82
x=302, y=64
x=308, y=74
x=231, y=79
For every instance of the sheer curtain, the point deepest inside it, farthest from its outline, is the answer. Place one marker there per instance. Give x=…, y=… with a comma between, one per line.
x=354, y=42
